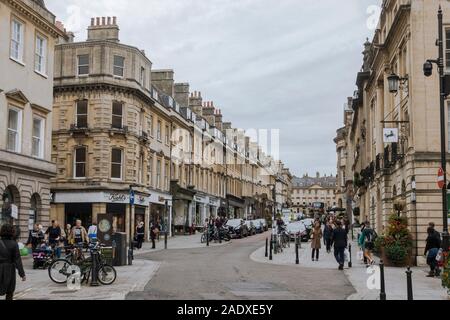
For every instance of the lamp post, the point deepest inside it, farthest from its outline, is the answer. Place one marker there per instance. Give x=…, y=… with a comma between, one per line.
x=130, y=248
x=444, y=82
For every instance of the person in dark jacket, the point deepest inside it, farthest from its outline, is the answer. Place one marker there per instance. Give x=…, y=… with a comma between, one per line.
x=140, y=232
x=327, y=235
x=431, y=251
x=35, y=237
x=339, y=239
x=10, y=260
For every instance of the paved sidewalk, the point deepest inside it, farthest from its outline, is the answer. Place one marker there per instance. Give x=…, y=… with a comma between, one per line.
x=129, y=278
x=423, y=288
x=177, y=242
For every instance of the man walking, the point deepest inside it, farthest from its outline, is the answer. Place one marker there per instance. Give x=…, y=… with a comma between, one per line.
x=339, y=239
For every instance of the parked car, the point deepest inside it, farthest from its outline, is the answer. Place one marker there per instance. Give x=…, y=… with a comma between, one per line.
x=297, y=229
x=309, y=223
x=251, y=227
x=237, y=228
x=261, y=225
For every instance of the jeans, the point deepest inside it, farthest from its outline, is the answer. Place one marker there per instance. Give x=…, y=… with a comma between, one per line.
x=431, y=259
x=339, y=254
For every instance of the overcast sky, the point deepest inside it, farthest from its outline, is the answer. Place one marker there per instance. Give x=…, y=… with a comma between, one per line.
x=270, y=64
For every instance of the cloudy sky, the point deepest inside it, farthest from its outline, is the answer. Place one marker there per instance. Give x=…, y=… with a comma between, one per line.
x=270, y=64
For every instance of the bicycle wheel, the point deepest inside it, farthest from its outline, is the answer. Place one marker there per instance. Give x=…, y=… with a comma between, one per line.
x=107, y=274
x=58, y=271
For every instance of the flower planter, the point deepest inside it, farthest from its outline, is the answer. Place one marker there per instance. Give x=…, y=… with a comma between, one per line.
x=396, y=264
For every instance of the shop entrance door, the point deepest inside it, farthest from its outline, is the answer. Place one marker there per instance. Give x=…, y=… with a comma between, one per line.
x=78, y=211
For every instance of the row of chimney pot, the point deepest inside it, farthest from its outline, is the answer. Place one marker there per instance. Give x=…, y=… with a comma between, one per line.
x=103, y=21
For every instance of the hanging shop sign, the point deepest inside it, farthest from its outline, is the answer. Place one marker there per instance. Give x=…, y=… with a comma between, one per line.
x=390, y=135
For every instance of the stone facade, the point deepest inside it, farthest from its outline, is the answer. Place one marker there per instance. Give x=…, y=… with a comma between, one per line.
x=307, y=190
x=384, y=174
x=118, y=123
x=25, y=111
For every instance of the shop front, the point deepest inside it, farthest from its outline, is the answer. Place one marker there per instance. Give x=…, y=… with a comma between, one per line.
x=183, y=208
x=67, y=207
x=201, y=205
x=214, y=205
x=161, y=210
x=250, y=208
x=236, y=207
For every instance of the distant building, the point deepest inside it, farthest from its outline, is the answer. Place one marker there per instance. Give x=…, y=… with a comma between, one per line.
x=308, y=190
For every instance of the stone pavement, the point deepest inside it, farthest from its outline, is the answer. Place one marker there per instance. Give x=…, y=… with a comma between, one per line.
x=395, y=278
x=129, y=278
x=177, y=242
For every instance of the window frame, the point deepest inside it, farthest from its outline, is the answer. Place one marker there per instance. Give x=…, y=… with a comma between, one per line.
x=158, y=174
x=75, y=162
x=42, y=55
x=82, y=114
x=167, y=135
x=18, y=130
x=113, y=115
x=150, y=128
x=88, y=65
x=41, y=153
x=117, y=66
x=150, y=171
x=117, y=163
x=159, y=131
x=20, y=43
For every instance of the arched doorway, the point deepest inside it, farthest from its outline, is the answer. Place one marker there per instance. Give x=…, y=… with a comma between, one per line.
x=10, y=202
x=35, y=210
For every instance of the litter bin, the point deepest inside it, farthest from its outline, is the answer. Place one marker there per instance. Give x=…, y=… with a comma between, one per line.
x=119, y=244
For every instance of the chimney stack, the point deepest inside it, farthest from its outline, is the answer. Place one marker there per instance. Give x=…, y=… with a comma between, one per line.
x=103, y=28
x=196, y=103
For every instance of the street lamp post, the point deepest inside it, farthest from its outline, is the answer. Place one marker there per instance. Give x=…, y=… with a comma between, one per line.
x=130, y=248
x=444, y=81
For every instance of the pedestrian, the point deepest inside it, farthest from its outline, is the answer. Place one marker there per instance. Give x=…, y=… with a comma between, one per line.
x=316, y=243
x=78, y=235
x=92, y=232
x=327, y=236
x=140, y=232
x=67, y=230
x=367, y=240
x=35, y=237
x=53, y=236
x=10, y=260
x=154, y=231
x=361, y=242
x=432, y=247
x=339, y=239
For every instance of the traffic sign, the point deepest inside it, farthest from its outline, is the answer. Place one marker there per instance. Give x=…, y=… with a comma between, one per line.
x=441, y=176
x=132, y=197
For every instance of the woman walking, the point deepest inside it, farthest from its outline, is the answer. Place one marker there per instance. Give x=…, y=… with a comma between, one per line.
x=367, y=242
x=10, y=260
x=327, y=236
x=140, y=232
x=316, y=243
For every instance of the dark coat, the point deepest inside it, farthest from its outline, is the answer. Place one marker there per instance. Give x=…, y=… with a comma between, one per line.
x=433, y=241
x=327, y=232
x=10, y=260
x=339, y=238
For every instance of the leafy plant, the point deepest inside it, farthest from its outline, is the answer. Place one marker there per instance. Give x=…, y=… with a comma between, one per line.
x=446, y=273
x=396, y=253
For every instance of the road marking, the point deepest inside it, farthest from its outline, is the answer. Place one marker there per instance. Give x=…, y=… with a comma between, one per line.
x=22, y=293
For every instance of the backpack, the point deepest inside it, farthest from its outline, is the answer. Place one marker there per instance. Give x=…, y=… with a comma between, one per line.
x=371, y=236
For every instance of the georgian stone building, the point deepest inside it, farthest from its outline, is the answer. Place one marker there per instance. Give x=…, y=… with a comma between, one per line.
x=118, y=123
x=28, y=36
x=307, y=191
x=401, y=173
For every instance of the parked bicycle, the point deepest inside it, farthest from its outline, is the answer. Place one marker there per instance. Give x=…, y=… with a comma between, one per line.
x=61, y=269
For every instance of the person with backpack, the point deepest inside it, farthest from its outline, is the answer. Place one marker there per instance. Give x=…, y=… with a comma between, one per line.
x=367, y=242
x=78, y=235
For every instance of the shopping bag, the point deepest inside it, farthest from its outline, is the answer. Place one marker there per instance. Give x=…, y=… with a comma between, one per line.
x=346, y=255
x=360, y=255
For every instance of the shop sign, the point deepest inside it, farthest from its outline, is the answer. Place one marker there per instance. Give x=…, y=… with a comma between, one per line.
x=199, y=199
x=117, y=197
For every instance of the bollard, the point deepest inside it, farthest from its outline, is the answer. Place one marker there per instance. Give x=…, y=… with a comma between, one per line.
x=271, y=248
x=275, y=244
x=383, y=288
x=94, y=280
x=267, y=248
x=207, y=237
x=297, y=259
x=350, y=256
x=409, y=284
x=165, y=240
